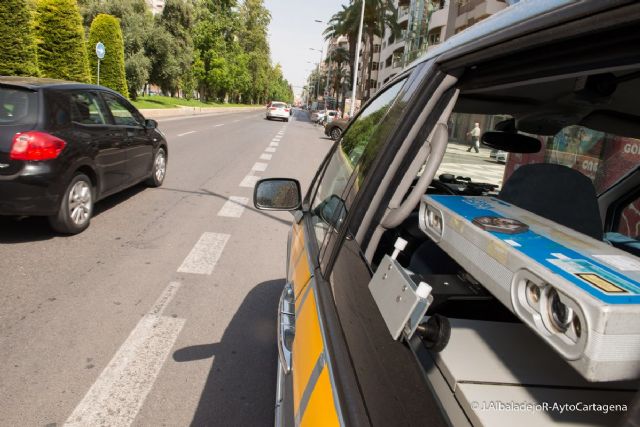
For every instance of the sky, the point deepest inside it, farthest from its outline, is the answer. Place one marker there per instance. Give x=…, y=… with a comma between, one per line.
x=293, y=31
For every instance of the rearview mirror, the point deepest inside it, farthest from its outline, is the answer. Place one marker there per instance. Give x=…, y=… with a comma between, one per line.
x=332, y=211
x=150, y=124
x=277, y=194
x=511, y=142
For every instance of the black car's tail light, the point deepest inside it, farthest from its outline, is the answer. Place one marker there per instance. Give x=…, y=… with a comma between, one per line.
x=35, y=146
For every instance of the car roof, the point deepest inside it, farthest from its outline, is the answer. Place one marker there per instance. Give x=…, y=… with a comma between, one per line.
x=37, y=83
x=519, y=19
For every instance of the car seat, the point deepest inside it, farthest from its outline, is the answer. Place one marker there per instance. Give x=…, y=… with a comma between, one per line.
x=558, y=193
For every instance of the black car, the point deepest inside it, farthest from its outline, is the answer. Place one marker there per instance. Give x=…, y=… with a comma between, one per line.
x=65, y=145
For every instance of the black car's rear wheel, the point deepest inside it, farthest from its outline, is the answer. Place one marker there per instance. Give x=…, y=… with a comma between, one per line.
x=335, y=133
x=159, y=169
x=76, y=206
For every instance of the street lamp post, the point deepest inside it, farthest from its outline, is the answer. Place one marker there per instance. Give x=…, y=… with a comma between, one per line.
x=318, y=71
x=355, y=68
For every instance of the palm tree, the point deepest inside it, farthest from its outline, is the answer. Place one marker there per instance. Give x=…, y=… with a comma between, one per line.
x=379, y=14
x=338, y=56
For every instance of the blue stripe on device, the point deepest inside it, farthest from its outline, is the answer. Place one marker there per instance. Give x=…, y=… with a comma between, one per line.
x=595, y=278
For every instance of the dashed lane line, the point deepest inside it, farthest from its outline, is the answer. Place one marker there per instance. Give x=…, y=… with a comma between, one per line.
x=259, y=167
x=217, y=126
x=187, y=133
x=270, y=149
x=205, y=254
x=265, y=156
x=121, y=389
x=233, y=207
x=249, y=181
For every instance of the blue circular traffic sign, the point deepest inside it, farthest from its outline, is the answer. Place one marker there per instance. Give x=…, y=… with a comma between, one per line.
x=100, y=50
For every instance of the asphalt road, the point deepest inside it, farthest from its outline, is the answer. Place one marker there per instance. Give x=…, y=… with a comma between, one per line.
x=162, y=312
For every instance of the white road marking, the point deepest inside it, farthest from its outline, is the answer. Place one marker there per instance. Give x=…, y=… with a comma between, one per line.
x=274, y=144
x=236, y=121
x=270, y=149
x=264, y=156
x=187, y=133
x=205, y=254
x=249, y=181
x=121, y=389
x=259, y=167
x=217, y=126
x=233, y=207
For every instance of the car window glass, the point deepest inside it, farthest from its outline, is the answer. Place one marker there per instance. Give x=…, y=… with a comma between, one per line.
x=85, y=109
x=122, y=115
x=354, y=153
x=17, y=106
x=626, y=228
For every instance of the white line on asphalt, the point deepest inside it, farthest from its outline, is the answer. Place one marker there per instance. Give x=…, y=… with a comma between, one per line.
x=121, y=389
x=233, y=207
x=249, y=181
x=259, y=167
x=236, y=121
x=270, y=149
x=205, y=254
x=217, y=126
x=277, y=138
x=264, y=156
x=187, y=133
x=274, y=143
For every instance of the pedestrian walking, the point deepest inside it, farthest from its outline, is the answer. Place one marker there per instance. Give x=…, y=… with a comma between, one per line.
x=475, y=138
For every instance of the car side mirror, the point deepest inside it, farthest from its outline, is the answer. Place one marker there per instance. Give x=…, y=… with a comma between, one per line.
x=333, y=212
x=150, y=124
x=277, y=194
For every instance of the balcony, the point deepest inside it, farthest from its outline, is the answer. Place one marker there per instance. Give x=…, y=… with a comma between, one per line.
x=475, y=10
x=403, y=13
x=439, y=18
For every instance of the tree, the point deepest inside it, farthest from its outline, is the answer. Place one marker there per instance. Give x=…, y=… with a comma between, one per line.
x=137, y=25
x=172, y=56
x=61, y=48
x=255, y=20
x=18, y=43
x=106, y=29
x=378, y=15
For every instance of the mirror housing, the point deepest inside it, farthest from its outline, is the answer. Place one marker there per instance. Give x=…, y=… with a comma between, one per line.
x=333, y=212
x=150, y=124
x=277, y=194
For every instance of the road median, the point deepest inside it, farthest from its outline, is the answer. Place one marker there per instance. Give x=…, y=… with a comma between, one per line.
x=163, y=113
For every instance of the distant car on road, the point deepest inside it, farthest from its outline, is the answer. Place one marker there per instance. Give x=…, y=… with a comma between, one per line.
x=335, y=128
x=278, y=110
x=65, y=145
x=317, y=116
x=499, y=156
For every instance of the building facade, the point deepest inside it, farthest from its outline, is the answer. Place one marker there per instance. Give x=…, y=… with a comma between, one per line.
x=426, y=23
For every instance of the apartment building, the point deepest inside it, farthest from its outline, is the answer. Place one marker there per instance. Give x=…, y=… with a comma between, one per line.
x=156, y=6
x=426, y=23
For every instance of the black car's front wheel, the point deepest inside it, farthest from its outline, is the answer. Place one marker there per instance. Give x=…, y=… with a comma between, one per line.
x=76, y=206
x=159, y=169
x=335, y=133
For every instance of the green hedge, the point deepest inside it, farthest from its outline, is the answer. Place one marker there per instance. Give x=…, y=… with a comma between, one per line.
x=61, y=47
x=17, y=41
x=106, y=29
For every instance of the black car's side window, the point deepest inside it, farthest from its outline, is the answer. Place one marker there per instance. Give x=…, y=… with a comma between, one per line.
x=86, y=109
x=351, y=158
x=123, y=115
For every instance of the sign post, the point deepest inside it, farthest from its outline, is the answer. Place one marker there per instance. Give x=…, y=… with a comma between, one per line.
x=100, y=51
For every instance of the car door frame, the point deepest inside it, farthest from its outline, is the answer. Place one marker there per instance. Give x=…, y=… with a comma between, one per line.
x=138, y=145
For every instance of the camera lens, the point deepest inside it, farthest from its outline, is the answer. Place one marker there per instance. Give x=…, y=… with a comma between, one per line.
x=560, y=315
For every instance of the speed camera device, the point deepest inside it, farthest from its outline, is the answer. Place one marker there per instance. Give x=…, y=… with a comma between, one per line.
x=580, y=295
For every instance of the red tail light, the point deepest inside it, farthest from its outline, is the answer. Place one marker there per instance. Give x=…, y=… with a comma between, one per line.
x=286, y=110
x=35, y=146
x=273, y=108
